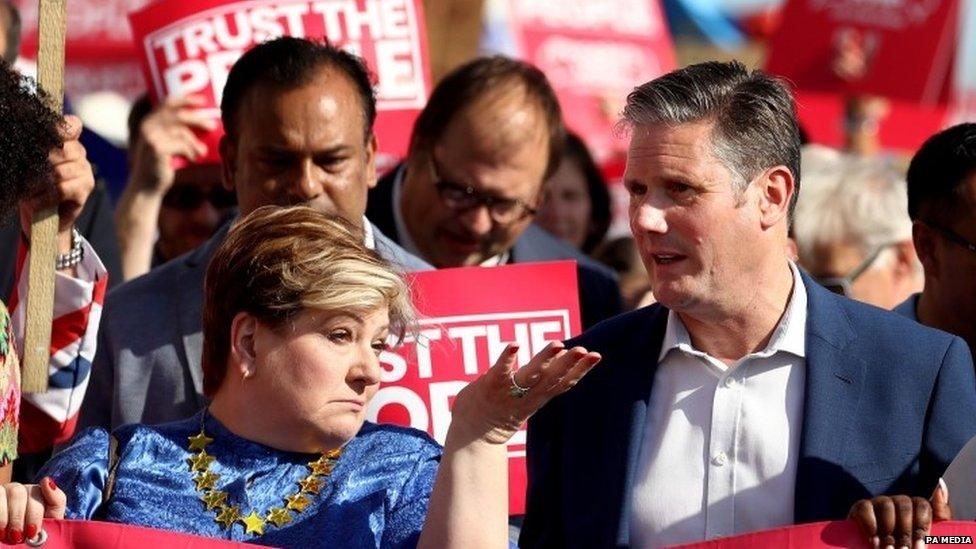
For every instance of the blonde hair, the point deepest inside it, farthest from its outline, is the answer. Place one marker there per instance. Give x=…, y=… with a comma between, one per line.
x=277, y=262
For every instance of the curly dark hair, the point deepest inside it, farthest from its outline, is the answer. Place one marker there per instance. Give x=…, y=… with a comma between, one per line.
x=28, y=131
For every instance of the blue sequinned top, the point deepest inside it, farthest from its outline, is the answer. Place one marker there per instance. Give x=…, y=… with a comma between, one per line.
x=376, y=496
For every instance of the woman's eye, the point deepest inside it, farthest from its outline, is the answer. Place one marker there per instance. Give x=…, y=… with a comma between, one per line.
x=380, y=346
x=340, y=336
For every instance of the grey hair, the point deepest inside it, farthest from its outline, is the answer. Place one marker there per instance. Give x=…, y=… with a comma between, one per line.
x=754, y=115
x=850, y=200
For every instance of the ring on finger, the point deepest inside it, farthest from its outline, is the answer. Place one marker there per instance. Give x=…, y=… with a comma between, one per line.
x=38, y=540
x=516, y=390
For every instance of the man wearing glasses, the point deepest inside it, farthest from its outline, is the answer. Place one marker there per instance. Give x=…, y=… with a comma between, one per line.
x=852, y=230
x=489, y=137
x=942, y=205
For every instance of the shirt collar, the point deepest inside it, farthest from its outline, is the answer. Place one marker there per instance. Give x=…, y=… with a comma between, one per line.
x=406, y=241
x=789, y=335
x=368, y=239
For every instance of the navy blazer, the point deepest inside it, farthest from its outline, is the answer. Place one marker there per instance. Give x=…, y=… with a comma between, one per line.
x=598, y=289
x=888, y=404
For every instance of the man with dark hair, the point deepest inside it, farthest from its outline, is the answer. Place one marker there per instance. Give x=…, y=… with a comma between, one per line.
x=942, y=205
x=489, y=137
x=299, y=131
x=749, y=397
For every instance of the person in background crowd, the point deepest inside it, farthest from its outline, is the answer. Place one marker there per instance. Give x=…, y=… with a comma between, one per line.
x=298, y=117
x=489, y=137
x=942, y=205
x=621, y=255
x=852, y=231
x=297, y=312
x=184, y=206
x=576, y=205
x=43, y=164
x=749, y=397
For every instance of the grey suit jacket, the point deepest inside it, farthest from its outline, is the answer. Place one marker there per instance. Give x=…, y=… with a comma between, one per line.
x=147, y=367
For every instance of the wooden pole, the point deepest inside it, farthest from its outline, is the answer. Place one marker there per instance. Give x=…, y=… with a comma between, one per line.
x=44, y=227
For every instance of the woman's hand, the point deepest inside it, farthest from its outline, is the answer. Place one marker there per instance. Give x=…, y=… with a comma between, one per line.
x=23, y=506
x=900, y=521
x=492, y=408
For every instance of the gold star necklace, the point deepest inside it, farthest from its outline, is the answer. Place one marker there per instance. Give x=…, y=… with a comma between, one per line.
x=227, y=515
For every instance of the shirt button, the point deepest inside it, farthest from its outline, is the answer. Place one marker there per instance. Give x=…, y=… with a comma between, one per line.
x=729, y=382
x=720, y=459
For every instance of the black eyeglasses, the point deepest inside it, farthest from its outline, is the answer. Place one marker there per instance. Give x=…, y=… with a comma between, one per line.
x=464, y=197
x=843, y=284
x=190, y=197
x=951, y=236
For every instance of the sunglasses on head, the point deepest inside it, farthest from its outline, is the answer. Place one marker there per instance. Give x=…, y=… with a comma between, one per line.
x=191, y=197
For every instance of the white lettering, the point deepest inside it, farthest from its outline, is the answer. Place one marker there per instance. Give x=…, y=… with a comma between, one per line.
x=394, y=64
x=411, y=401
x=224, y=36
x=186, y=78
x=199, y=38
x=468, y=336
x=441, y=397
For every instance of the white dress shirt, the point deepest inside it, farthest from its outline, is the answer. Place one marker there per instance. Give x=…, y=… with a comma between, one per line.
x=721, y=443
x=406, y=241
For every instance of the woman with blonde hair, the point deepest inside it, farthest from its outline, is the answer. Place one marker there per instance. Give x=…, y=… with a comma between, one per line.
x=297, y=312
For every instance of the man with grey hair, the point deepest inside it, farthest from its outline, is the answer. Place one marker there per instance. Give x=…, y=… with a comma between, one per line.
x=852, y=229
x=749, y=397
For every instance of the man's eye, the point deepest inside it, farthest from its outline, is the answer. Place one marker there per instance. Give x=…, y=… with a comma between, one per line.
x=679, y=188
x=636, y=189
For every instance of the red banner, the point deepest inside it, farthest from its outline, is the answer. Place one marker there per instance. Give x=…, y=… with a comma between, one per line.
x=467, y=316
x=902, y=50
x=594, y=52
x=81, y=534
x=831, y=534
x=189, y=47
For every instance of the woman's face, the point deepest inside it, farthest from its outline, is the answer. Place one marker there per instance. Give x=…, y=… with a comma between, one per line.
x=319, y=372
x=565, y=212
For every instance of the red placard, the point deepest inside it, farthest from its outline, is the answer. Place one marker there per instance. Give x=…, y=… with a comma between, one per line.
x=82, y=534
x=467, y=316
x=594, y=52
x=906, y=47
x=189, y=47
x=823, y=535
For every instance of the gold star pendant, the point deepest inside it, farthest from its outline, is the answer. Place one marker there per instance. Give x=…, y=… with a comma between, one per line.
x=200, y=462
x=206, y=481
x=228, y=516
x=310, y=485
x=279, y=516
x=199, y=442
x=322, y=466
x=332, y=454
x=214, y=499
x=253, y=524
x=297, y=502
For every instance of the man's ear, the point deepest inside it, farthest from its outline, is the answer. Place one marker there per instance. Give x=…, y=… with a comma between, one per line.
x=776, y=188
x=242, y=356
x=228, y=161
x=925, y=245
x=371, y=147
x=906, y=260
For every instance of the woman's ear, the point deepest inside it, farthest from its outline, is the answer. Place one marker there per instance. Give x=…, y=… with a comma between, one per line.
x=242, y=357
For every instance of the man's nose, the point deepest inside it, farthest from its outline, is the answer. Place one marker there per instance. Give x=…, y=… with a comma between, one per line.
x=648, y=217
x=476, y=220
x=308, y=182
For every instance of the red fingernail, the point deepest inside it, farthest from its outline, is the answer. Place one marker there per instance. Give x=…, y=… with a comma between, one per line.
x=31, y=531
x=51, y=484
x=513, y=348
x=15, y=536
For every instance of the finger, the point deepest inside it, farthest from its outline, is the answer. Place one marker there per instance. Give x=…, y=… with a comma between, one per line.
x=530, y=374
x=940, y=503
x=195, y=119
x=884, y=512
x=505, y=365
x=904, y=521
x=55, y=500
x=558, y=367
x=922, y=520
x=190, y=146
x=35, y=512
x=16, y=507
x=71, y=129
x=580, y=369
x=70, y=151
x=70, y=173
x=178, y=102
x=862, y=513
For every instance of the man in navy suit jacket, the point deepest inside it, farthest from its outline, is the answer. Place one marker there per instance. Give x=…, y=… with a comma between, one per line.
x=480, y=151
x=749, y=397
